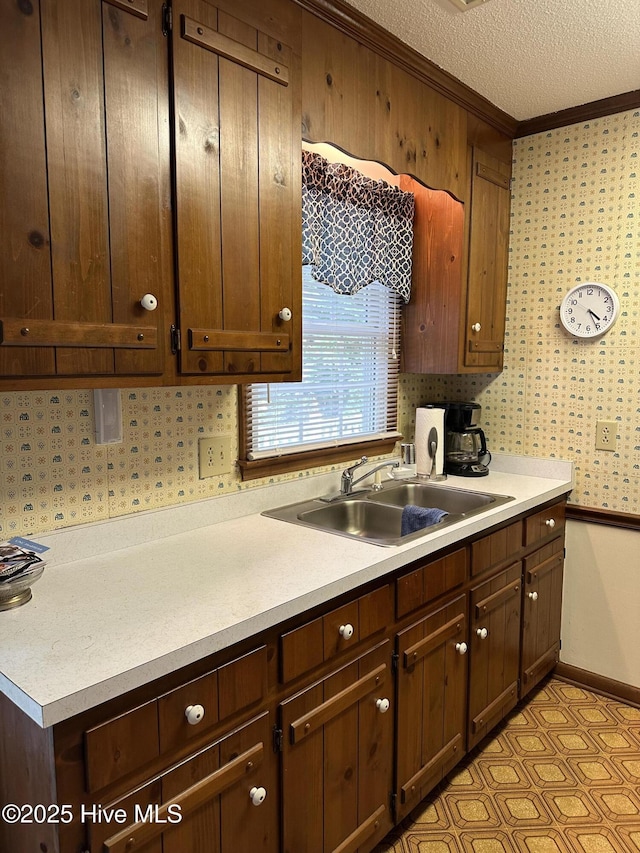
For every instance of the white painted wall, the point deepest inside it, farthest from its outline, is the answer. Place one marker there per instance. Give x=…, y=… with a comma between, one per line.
x=601, y=601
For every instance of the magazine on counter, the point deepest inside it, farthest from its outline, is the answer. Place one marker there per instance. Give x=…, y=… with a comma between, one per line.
x=20, y=557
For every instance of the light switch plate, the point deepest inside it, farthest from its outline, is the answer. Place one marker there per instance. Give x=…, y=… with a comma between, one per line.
x=214, y=456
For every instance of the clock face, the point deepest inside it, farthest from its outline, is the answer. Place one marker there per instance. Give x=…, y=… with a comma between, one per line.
x=589, y=310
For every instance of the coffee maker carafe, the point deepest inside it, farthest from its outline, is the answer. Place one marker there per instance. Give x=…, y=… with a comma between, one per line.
x=466, y=447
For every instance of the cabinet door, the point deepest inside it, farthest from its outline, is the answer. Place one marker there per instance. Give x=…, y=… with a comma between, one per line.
x=487, y=271
x=494, y=647
x=221, y=800
x=337, y=759
x=85, y=177
x=541, y=613
x=431, y=701
x=238, y=196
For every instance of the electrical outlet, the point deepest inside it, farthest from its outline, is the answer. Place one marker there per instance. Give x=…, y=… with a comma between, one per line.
x=214, y=456
x=606, y=435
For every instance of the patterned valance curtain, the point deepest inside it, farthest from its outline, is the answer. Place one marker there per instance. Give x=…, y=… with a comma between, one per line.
x=355, y=230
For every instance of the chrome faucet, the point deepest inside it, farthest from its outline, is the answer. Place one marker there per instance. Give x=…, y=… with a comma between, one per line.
x=347, y=482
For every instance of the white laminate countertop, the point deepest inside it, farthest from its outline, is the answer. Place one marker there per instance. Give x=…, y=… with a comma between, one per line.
x=129, y=600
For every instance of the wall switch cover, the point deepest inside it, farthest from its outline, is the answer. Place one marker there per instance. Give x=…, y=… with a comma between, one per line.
x=606, y=435
x=214, y=455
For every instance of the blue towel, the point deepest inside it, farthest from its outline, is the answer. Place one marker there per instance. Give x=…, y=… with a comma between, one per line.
x=417, y=517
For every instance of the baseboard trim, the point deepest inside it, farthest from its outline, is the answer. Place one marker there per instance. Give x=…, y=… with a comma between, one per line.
x=598, y=683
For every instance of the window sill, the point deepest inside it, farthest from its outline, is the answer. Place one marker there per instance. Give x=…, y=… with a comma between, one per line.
x=253, y=469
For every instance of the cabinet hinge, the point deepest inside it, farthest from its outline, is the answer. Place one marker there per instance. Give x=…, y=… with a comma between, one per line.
x=277, y=739
x=395, y=657
x=174, y=332
x=167, y=19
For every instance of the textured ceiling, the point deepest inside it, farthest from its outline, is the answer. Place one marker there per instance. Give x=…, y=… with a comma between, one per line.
x=528, y=57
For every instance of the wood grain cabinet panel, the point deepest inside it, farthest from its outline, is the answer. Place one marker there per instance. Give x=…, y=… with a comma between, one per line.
x=482, y=338
x=337, y=759
x=205, y=804
x=541, y=613
x=85, y=223
x=120, y=746
x=431, y=701
x=327, y=637
x=496, y=549
x=544, y=524
x=426, y=583
x=238, y=195
x=494, y=650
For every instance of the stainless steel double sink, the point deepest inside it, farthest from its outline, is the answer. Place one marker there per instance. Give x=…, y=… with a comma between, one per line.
x=376, y=516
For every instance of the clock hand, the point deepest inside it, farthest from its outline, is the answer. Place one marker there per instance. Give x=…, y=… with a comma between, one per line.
x=595, y=316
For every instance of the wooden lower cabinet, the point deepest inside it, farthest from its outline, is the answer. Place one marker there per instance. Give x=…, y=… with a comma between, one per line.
x=337, y=759
x=494, y=650
x=541, y=612
x=223, y=799
x=431, y=701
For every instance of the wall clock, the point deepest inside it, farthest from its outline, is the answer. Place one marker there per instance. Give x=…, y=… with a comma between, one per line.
x=589, y=309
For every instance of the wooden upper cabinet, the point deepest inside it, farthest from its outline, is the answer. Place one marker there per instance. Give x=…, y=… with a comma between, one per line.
x=483, y=335
x=238, y=196
x=85, y=225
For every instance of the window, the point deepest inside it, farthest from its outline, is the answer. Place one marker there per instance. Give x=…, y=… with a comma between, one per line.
x=357, y=241
x=349, y=387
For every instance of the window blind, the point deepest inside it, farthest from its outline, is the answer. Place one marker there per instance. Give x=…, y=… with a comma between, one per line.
x=349, y=388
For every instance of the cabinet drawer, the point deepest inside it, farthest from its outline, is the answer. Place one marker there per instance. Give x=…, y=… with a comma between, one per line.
x=121, y=745
x=427, y=583
x=126, y=743
x=497, y=548
x=545, y=523
x=327, y=637
x=187, y=711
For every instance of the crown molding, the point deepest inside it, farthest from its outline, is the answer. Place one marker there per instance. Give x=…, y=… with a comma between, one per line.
x=584, y=112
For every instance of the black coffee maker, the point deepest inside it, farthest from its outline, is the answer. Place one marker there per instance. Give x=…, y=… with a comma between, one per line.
x=466, y=453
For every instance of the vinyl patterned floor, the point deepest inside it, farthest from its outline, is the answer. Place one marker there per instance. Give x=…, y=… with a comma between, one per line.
x=561, y=775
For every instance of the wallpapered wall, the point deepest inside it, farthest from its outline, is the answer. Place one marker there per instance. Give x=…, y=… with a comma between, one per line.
x=575, y=217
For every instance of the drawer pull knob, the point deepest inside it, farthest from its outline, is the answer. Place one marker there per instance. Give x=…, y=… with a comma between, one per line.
x=550, y=522
x=257, y=795
x=461, y=648
x=482, y=633
x=382, y=705
x=533, y=596
x=149, y=302
x=194, y=713
x=285, y=314
x=346, y=631
x=476, y=327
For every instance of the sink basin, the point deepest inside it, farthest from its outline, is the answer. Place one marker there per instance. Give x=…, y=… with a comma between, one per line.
x=452, y=500
x=376, y=516
x=361, y=518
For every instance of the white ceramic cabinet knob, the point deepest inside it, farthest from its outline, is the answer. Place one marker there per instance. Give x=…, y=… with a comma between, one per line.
x=257, y=795
x=482, y=633
x=194, y=713
x=346, y=631
x=476, y=327
x=382, y=705
x=533, y=596
x=461, y=648
x=149, y=302
x=285, y=314
x=550, y=522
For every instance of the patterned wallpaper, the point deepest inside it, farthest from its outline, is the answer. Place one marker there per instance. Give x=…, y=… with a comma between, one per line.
x=575, y=217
